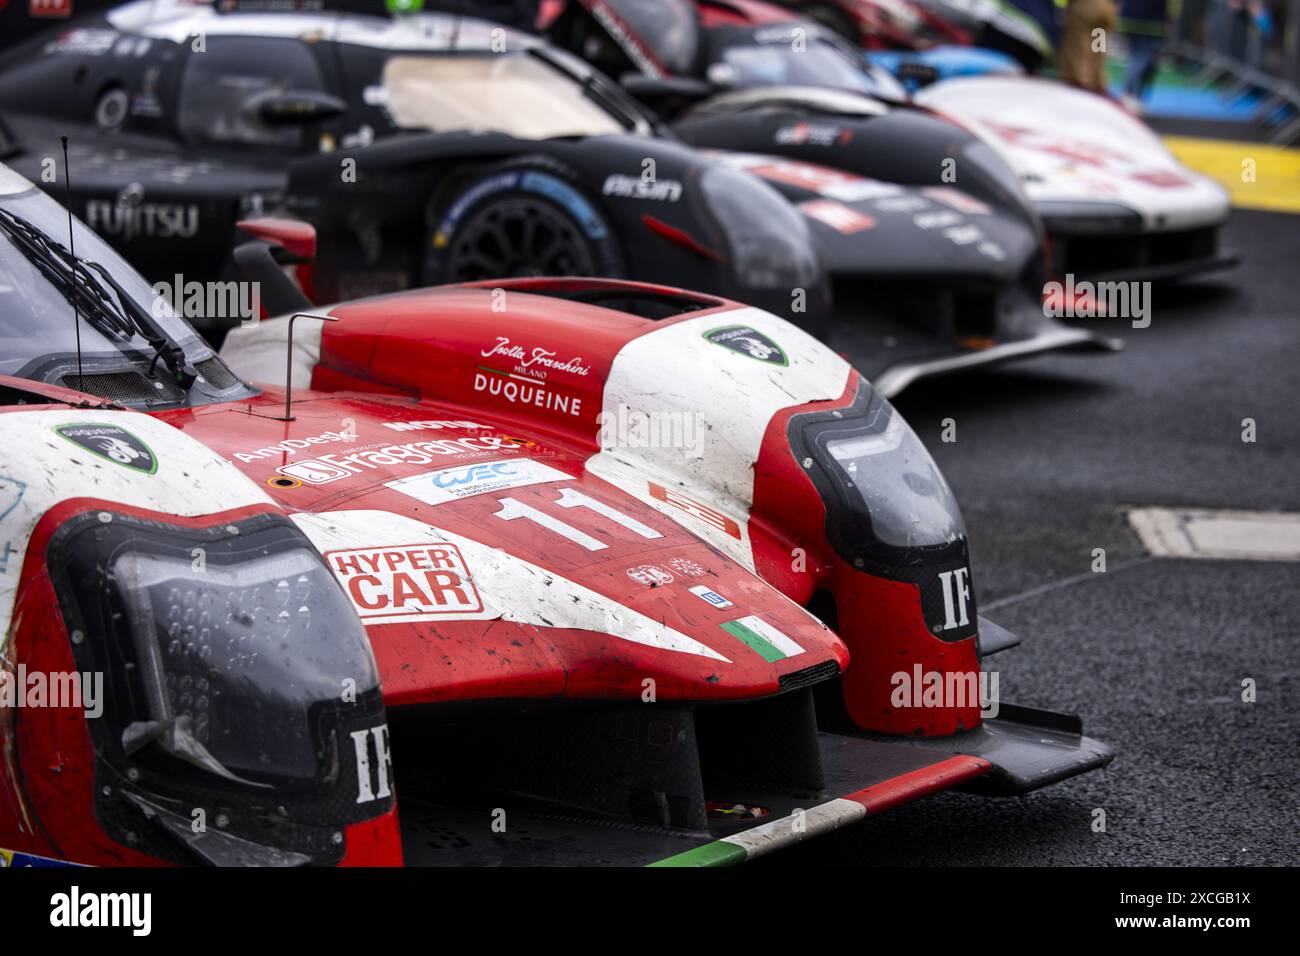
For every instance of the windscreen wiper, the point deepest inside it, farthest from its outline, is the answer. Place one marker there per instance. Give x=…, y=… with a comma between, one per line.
x=106, y=305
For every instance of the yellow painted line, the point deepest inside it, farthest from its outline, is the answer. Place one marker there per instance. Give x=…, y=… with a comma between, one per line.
x=1275, y=170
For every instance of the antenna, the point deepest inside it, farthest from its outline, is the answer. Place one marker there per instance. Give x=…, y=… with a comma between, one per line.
x=288, y=370
x=72, y=251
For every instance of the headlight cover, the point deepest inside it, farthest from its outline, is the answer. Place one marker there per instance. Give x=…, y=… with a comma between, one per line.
x=236, y=680
x=769, y=243
x=889, y=511
x=1083, y=218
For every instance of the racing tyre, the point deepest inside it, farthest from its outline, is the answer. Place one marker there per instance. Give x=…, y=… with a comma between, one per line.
x=523, y=217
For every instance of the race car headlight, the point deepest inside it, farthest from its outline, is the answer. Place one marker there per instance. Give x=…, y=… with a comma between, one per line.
x=768, y=242
x=235, y=675
x=1002, y=183
x=1075, y=218
x=889, y=511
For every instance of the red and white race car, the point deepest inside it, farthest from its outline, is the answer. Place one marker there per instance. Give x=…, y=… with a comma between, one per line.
x=588, y=570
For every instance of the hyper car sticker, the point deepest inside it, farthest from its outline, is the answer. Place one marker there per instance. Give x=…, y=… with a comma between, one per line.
x=187, y=479
x=511, y=588
x=421, y=582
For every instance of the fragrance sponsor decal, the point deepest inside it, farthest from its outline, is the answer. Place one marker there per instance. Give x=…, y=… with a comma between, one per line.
x=326, y=468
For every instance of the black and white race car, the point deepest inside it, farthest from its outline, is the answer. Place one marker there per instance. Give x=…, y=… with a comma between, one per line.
x=1114, y=202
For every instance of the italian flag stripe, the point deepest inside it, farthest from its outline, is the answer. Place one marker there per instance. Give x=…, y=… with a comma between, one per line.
x=763, y=638
x=786, y=831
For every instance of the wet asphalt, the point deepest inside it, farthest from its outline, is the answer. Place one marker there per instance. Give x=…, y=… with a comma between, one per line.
x=1153, y=652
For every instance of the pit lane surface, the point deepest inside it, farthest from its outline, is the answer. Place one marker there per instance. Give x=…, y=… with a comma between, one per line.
x=1153, y=652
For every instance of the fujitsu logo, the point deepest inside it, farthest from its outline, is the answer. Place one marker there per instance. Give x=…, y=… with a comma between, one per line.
x=956, y=598
x=152, y=220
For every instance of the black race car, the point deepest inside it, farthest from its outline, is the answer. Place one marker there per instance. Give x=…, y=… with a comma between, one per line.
x=743, y=74
x=434, y=148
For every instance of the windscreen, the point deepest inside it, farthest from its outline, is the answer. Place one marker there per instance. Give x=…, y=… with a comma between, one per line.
x=512, y=93
x=667, y=27
x=38, y=332
x=781, y=64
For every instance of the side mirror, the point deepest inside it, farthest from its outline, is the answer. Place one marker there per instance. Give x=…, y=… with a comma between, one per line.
x=915, y=74
x=639, y=85
x=297, y=107
x=666, y=95
x=294, y=236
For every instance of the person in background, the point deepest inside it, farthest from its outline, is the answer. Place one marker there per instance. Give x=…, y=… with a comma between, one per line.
x=1083, y=50
x=1143, y=23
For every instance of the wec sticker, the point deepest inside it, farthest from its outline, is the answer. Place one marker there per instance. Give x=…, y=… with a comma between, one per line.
x=113, y=443
x=413, y=582
x=705, y=593
x=747, y=341
x=466, y=481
